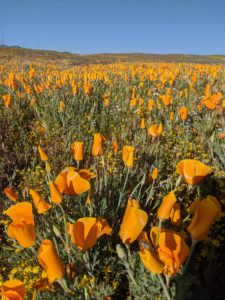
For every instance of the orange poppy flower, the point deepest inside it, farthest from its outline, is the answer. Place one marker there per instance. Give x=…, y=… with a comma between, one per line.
x=193, y=170
x=41, y=205
x=22, y=227
x=171, y=116
x=150, y=104
x=134, y=220
x=7, y=100
x=56, y=196
x=183, y=113
x=10, y=194
x=167, y=99
x=115, y=147
x=97, y=149
x=155, y=130
x=72, y=181
x=128, y=155
x=43, y=155
x=61, y=106
x=86, y=231
x=207, y=211
x=142, y=125
x=172, y=249
x=209, y=104
x=166, y=206
x=155, y=173
x=50, y=261
x=78, y=150
x=13, y=290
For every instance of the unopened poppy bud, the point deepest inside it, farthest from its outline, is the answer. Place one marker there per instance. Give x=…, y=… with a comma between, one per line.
x=121, y=253
x=56, y=231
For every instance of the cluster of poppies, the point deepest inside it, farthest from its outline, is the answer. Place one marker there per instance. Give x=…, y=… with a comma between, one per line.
x=164, y=252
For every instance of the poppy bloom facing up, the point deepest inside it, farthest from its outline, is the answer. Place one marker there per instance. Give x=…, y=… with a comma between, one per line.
x=72, y=181
x=41, y=205
x=78, y=150
x=206, y=212
x=134, y=220
x=155, y=130
x=193, y=170
x=86, y=231
x=166, y=206
x=10, y=194
x=128, y=155
x=50, y=261
x=43, y=155
x=97, y=149
x=13, y=290
x=183, y=113
x=22, y=227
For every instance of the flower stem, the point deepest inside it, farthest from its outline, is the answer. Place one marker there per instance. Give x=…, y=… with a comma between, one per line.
x=164, y=287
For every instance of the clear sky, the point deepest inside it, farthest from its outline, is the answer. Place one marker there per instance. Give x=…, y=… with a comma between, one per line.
x=115, y=26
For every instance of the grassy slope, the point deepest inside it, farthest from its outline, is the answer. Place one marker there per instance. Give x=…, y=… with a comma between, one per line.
x=13, y=53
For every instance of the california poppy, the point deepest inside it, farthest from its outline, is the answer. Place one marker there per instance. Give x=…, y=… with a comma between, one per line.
x=13, y=290
x=206, y=212
x=50, y=261
x=134, y=220
x=155, y=130
x=193, y=170
x=150, y=104
x=22, y=226
x=61, y=106
x=155, y=173
x=7, y=100
x=142, y=125
x=166, y=206
x=10, y=194
x=97, y=147
x=86, y=231
x=78, y=150
x=72, y=181
x=41, y=205
x=183, y=112
x=128, y=155
x=171, y=251
x=43, y=155
x=115, y=147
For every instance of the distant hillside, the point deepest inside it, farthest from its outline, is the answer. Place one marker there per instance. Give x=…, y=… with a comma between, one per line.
x=19, y=54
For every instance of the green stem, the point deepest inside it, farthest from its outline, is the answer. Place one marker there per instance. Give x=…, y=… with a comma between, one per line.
x=126, y=179
x=164, y=287
x=67, y=246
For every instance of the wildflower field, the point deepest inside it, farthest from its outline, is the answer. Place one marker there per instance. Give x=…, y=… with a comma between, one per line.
x=112, y=181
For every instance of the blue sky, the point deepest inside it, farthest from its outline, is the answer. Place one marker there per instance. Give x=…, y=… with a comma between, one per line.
x=115, y=26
